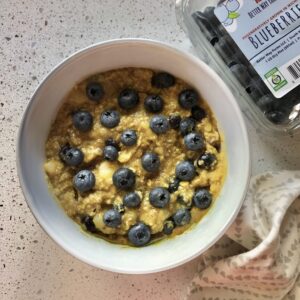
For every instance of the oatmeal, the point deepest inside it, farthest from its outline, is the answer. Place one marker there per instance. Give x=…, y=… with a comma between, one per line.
x=134, y=156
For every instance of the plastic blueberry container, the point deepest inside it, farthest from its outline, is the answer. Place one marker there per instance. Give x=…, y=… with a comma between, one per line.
x=269, y=115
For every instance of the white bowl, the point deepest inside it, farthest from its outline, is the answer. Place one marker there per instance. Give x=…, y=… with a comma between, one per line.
x=42, y=110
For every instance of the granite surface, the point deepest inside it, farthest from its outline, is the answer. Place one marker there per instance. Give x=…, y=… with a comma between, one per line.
x=34, y=37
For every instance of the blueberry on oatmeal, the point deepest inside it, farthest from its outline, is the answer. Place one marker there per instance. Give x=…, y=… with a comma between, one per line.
x=198, y=113
x=151, y=162
x=124, y=179
x=94, y=91
x=182, y=217
x=159, y=197
x=112, y=218
x=202, y=198
x=89, y=223
x=132, y=199
x=129, y=137
x=185, y=171
x=112, y=142
x=84, y=181
x=187, y=125
x=139, y=234
x=194, y=141
x=188, y=99
x=128, y=99
x=110, y=118
x=207, y=161
x=163, y=80
x=168, y=227
x=174, y=185
x=174, y=121
x=83, y=121
x=159, y=124
x=71, y=156
x=154, y=103
x=110, y=153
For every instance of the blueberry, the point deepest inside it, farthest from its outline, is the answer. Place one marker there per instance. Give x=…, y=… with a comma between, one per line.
x=159, y=197
x=112, y=142
x=253, y=92
x=124, y=179
x=257, y=87
x=241, y=73
x=110, y=118
x=198, y=113
x=89, y=223
x=206, y=26
x=174, y=121
x=224, y=49
x=139, y=234
x=187, y=125
x=128, y=99
x=83, y=121
x=154, y=103
x=84, y=181
x=276, y=116
x=174, y=185
x=194, y=141
x=150, y=162
x=188, y=98
x=71, y=156
x=159, y=124
x=129, y=137
x=231, y=63
x=163, y=80
x=182, y=217
x=112, y=218
x=202, y=198
x=265, y=102
x=207, y=161
x=110, y=153
x=185, y=171
x=168, y=227
x=209, y=11
x=132, y=199
x=94, y=91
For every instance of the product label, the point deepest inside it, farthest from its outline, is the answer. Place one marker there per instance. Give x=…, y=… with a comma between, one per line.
x=268, y=33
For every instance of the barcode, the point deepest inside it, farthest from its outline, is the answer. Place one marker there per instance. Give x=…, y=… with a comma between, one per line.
x=294, y=69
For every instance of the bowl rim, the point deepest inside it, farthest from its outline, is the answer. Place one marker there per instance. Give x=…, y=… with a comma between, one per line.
x=185, y=55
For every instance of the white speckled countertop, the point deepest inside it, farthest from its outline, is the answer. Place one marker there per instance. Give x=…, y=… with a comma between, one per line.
x=34, y=37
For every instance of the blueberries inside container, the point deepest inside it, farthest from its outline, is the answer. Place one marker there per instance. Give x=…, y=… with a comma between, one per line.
x=278, y=111
x=257, y=87
x=206, y=27
x=240, y=71
x=224, y=50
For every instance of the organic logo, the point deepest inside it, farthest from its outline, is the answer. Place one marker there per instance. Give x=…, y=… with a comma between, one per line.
x=227, y=11
x=276, y=79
